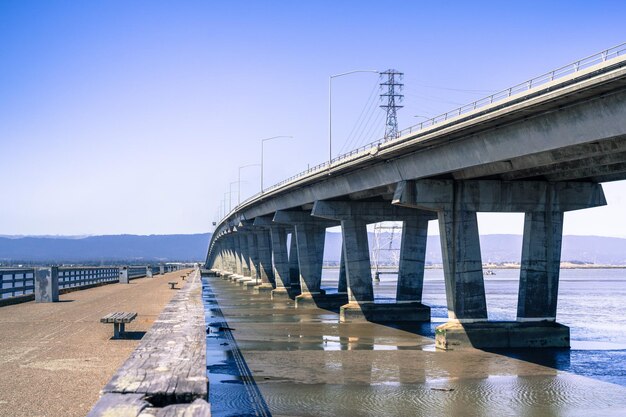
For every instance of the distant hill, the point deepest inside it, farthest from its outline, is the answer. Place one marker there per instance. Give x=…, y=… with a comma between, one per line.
x=104, y=249
x=170, y=248
x=504, y=248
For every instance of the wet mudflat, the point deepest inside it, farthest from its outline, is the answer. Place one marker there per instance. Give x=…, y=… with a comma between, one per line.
x=305, y=363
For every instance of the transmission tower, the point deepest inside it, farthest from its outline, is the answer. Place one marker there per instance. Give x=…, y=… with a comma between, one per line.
x=390, y=94
x=386, y=253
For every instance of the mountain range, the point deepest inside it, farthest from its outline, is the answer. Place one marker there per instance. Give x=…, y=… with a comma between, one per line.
x=192, y=247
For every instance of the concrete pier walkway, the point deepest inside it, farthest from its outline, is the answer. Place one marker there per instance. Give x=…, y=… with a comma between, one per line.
x=56, y=357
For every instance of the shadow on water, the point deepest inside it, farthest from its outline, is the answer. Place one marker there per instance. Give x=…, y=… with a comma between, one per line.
x=232, y=389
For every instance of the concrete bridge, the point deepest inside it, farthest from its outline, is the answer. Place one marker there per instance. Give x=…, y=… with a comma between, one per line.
x=541, y=148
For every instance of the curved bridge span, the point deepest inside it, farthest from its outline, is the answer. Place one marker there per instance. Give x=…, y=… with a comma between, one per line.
x=542, y=150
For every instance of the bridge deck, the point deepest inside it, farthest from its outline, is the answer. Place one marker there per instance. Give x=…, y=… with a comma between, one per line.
x=56, y=357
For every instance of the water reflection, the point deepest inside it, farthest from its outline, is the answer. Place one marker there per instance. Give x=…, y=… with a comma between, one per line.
x=306, y=363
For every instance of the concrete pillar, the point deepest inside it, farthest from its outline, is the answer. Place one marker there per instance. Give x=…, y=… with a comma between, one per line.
x=354, y=217
x=123, y=275
x=412, y=259
x=462, y=266
x=280, y=261
x=310, y=239
x=266, y=272
x=245, y=260
x=253, y=257
x=357, y=259
x=539, y=272
x=148, y=272
x=342, y=287
x=161, y=269
x=47, y=285
x=544, y=204
x=237, y=254
x=310, y=234
x=294, y=263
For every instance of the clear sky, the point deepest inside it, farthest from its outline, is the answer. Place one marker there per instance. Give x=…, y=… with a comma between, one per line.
x=134, y=116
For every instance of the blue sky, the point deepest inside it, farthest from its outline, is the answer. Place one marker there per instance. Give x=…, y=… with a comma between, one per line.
x=133, y=117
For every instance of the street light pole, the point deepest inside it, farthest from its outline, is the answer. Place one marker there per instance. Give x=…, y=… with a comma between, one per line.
x=239, y=180
x=330, y=112
x=263, y=143
x=230, y=197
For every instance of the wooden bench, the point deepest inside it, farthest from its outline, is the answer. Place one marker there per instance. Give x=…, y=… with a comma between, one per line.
x=172, y=284
x=119, y=320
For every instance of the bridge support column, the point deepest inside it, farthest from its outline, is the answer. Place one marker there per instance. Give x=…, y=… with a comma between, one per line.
x=253, y=259
x=412, y=259
x=281, y=262
x=342, y=286
x=294, y=263
x=266, y=273
x=544, y=204
x=539, y=272
x=354, y=217
x=243, y=245
x=310, y=235
x=237, y=254
x=47, y=285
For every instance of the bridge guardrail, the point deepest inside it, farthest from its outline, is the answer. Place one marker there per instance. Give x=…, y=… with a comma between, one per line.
x=74, y=277
x=16, y=281
x=574, y=67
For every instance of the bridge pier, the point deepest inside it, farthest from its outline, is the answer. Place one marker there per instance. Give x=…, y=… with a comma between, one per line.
x=294, y=263
x=543, y=203
x=266, y=273
x=243, y=246
x=310, y=235
x=354, y=217
x=253, y=260
x=279, y=256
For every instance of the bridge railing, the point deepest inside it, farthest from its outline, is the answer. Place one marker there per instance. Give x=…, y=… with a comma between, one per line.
x=608, y=54
x=136, y=272
x=18, y=284
x=75, y=277
x=16, y=281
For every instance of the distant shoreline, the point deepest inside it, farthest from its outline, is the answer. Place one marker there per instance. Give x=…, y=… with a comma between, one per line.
x=564, y=265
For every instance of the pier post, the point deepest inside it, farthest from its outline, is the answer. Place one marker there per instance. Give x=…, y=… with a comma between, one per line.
x=161, y=269
x=123, y=275
x=47, y=285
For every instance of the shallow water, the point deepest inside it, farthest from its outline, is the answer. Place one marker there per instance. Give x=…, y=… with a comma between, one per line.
x=305, y=363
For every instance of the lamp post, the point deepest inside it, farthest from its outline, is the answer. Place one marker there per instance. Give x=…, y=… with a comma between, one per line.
x=239, y=180
x=330, y=113
x=230, y=197
x=263, y=143
x=225, y=194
